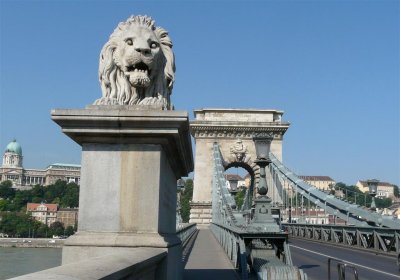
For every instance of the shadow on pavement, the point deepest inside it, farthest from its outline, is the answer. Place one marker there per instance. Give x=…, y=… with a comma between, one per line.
x=209, y=274
x=305, y=266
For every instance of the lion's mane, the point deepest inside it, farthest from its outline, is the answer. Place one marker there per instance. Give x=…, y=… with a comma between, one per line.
x=115, y=85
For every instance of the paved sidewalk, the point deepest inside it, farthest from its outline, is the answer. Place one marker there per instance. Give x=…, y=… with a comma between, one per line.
x=207, y=260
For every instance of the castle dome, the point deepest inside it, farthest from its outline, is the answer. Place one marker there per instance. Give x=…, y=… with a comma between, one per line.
x=14, y=147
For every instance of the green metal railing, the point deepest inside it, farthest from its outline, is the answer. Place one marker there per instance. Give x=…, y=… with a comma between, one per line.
x=375, y=239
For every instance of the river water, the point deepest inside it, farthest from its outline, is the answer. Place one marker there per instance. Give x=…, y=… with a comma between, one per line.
x=19, y=261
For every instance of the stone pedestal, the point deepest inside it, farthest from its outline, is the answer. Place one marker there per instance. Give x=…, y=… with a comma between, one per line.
x=131, y=160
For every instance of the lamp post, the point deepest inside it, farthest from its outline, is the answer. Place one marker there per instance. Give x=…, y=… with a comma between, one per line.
x=334, y=216
x=262, y=142
x=331, y=188
x=373, y=189
x=301, y=219
x=180, y=187
x=263, y=219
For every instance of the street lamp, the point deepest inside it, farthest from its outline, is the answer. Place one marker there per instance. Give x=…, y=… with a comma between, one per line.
x=373, y=189
x=180, y=184
x=180, y=187
x=263, y=219
x=262, y=142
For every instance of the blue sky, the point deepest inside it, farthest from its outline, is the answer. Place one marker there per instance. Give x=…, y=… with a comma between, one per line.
x=332, y=66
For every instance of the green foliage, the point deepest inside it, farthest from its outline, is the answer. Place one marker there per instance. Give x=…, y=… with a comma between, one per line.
x=15, y=222
x=71, y=196
x=353, y=194
x=21, y=199
x=396, y=191
x=6, y=190
x=18, y=224
x=4, y=205
x=186, y=197
x=61, y=193
x=57, y=228
x=239, y=198
x=70, y=230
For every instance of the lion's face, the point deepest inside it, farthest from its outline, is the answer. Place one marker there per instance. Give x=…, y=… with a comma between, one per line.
x=137, y=53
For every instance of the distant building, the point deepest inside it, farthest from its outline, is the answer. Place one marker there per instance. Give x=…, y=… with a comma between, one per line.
x=306, y=215
x=234, y=182
x=45, y=213
x=12, y=170
x=323, y=183
x=68, y=216
x=48, y=213
x=247, y=180
x=385, y=190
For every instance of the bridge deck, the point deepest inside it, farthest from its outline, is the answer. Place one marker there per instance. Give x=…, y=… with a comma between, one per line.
x=207, y=260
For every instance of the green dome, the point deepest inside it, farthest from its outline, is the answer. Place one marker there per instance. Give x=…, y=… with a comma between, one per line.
x=14, y=147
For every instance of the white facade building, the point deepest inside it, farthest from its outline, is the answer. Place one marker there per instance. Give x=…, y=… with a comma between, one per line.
x=12, y=170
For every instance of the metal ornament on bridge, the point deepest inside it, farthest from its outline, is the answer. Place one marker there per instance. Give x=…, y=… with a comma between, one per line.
x=262, y=216
x=373, y=189
x=262, y=142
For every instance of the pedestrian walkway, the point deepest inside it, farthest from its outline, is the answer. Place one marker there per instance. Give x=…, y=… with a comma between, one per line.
x=207, y=260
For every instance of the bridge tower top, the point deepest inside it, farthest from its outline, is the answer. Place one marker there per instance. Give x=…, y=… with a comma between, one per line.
x=245, y=115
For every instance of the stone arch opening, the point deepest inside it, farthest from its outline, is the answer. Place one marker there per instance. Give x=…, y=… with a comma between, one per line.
x=246, y=167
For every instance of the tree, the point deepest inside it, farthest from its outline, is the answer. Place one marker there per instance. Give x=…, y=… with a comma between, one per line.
x=239, y=198
x=4, y=204
x=18, y=224
x=383, y=203
x=186, y=197
x=21, y=199
x=69, y=231
x=37, y=193
x=42, y=231
x=396, y=191
x=71, y=196
x=6, y=190
x=57, y=228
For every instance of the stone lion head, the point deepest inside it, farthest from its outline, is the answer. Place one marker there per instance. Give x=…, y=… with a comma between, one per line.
x=137, y=65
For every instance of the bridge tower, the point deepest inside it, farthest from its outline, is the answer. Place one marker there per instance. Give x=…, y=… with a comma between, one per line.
x=233, y=130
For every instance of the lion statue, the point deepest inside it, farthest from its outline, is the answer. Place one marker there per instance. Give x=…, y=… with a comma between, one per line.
x=137, y=65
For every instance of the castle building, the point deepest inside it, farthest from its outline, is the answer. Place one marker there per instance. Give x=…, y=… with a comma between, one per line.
x=12, y=170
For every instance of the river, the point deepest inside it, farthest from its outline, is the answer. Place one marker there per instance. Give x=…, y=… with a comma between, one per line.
x=19, y=261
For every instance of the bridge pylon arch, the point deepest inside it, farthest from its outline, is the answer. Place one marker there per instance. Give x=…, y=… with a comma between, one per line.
x=233, y=130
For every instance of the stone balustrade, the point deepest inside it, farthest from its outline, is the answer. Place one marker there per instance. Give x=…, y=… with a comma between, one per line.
x=129, y=263
x=135, y=263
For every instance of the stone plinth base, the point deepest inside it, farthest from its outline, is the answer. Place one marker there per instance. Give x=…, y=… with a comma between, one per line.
x=200, y=212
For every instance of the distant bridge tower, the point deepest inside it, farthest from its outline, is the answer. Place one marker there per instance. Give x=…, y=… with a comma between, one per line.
x=233, y=130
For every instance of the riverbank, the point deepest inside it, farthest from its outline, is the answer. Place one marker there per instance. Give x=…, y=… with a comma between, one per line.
x=31, y=242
